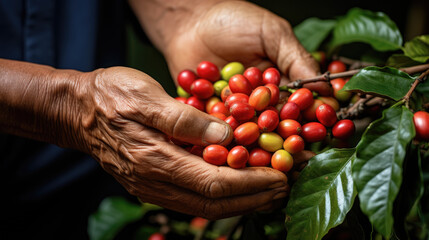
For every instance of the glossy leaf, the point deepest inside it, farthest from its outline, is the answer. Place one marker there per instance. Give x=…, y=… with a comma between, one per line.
x=374, y=28
x=377, y=169
x=113, y=214
x=313, y=31
x=385, y=81
x=322, y=196
x=410, y=192
x=418, y=48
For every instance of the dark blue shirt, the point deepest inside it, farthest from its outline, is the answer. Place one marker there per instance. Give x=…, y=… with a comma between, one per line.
x=47, y=191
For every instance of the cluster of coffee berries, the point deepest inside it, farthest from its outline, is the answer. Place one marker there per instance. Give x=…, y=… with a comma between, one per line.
x=268, y=130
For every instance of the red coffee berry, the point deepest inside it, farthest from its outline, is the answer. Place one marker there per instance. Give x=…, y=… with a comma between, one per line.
x=210, y=103
x=294, y=144
x=275, y=93
x=202, y=88
x=239, y=84
x=289, y=127
x=198, y=223
x=336, y=67
x=208, y=70
x=196, y=102
x=221, y=116
x=197, y=150
x=242, y=111
x=232, y=122
x=290, y=111
x=215, y=154
x=247, y=133
x=326, y=115
x=421, y=123
x=344, y=129
x=260, y=98
x=271, y=75
x=258, y=157
x=185, y=79
x=181, y=99
x=156, y=236
x=268, y=121
x=236, y=97
x=238, y=157
x=254, y=75
x=302, y=97
x=313, y=132
x=339, y=93
x=220, y=108
x=282, y=161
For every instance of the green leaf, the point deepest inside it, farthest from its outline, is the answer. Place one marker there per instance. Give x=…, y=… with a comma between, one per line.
x=374, y=28
x=113, y=214
x=418, y=48
x=377, y=169
x=322, y=196
x=313, y=31
x=385, y=81
x=410, y=192
x=400, y=61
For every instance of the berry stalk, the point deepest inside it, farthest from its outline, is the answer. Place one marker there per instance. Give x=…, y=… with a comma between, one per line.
x=328, y=76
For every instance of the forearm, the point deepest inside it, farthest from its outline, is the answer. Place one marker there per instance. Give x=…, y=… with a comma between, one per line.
x=164, y=19
x=39, y=102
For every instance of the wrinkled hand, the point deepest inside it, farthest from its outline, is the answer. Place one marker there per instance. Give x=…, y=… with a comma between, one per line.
x=125, y=122
x=240, y=31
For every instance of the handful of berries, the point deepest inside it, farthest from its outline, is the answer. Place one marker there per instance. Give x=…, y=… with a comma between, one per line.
x=268, y=131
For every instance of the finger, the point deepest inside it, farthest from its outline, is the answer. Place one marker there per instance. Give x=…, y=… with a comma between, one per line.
x=290, y=56
x=192, y=172
x=185, y=201
x=304, y=66
x=158, y=158
x=276, y=204
x=184, y=122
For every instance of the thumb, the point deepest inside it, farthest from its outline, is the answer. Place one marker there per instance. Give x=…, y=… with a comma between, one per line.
x=188, y=124
x=291, y=57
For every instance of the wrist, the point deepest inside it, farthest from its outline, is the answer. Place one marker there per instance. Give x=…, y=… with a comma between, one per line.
x=70, y=94
x=42, y=103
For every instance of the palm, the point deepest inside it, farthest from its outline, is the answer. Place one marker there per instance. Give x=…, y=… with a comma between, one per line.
x=243, y=32
x=224, y=34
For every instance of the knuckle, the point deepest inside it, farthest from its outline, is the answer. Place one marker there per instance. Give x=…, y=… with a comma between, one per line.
x=212, y=209
x=214, y=188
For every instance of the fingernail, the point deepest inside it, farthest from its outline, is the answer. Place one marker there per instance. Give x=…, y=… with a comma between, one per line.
x=280, y=195
x=215, y=133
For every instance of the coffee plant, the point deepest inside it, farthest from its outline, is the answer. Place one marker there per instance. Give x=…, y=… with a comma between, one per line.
x=366, y=170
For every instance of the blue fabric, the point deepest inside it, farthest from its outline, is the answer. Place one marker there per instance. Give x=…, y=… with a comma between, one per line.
x=45, y=187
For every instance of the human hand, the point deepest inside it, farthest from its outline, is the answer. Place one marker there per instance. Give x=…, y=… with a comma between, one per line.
x=240, y=31
x=126, y=117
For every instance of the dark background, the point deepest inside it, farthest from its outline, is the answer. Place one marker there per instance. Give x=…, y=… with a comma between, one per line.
x=411, y=17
